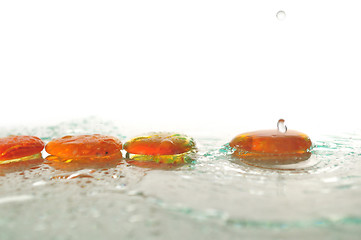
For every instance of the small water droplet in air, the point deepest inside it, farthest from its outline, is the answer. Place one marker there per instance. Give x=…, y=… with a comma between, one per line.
x=281, y=15
x=281, y=126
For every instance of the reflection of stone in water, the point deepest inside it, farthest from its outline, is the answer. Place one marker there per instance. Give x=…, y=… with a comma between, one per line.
x=80, y=174
x=297, y=163
x=75, y=164
x=19, y=166
x=270, y=159
x=155, y=165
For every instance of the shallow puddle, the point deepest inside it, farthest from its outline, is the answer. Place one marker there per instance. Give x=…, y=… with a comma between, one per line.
x=217, y=196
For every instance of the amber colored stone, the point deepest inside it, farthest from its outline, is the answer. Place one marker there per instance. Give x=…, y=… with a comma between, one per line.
x=160, y=144
x=272, y=145
x=161, y=148
x=17, y=147
x=95, y=145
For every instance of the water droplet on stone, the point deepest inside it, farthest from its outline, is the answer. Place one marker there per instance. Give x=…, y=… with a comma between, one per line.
x=281, y=15
x=281, y=126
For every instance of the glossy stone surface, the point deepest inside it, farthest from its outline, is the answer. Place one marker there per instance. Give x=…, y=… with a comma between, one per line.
x=167, y=148
x=95, y=145
x=272, y=145
x=17, y=147
x=160, y=144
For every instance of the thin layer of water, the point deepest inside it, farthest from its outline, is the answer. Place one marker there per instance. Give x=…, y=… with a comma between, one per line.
x=217, y=196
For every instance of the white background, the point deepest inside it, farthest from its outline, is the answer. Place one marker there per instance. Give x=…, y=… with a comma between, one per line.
x=211, y=65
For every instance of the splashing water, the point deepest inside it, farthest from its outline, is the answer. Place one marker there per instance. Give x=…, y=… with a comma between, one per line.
x=215, y=197
x=281, y=126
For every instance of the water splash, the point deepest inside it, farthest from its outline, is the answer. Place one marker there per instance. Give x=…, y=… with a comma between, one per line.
x=281, y=126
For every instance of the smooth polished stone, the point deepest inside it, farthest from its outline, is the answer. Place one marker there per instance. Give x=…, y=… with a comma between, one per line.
x=19, y=148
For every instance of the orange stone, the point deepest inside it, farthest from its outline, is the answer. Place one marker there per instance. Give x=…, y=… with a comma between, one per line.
x=160, y=144
x=17, y=147
x=160, y=148
x=272, y=146
x=84, y=146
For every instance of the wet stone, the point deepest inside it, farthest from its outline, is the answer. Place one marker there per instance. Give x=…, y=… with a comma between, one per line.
x=18, y=147
x=168, y=148
x=279, y=146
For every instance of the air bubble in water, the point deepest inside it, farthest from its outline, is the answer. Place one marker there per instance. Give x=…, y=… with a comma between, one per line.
x=281, y=126
x=281, y=15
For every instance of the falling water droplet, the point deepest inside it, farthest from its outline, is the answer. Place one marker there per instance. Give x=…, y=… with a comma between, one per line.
x=281, y=126
x=281, y=15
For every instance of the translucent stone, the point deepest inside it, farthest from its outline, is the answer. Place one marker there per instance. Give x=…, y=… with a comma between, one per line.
x=19, y=148
x=71, y=153
x=95, y=145
x=161, y=148
x=272, y=146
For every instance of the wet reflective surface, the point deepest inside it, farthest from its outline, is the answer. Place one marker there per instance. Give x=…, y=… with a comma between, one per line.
x=270, y=148
x=217, y=197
